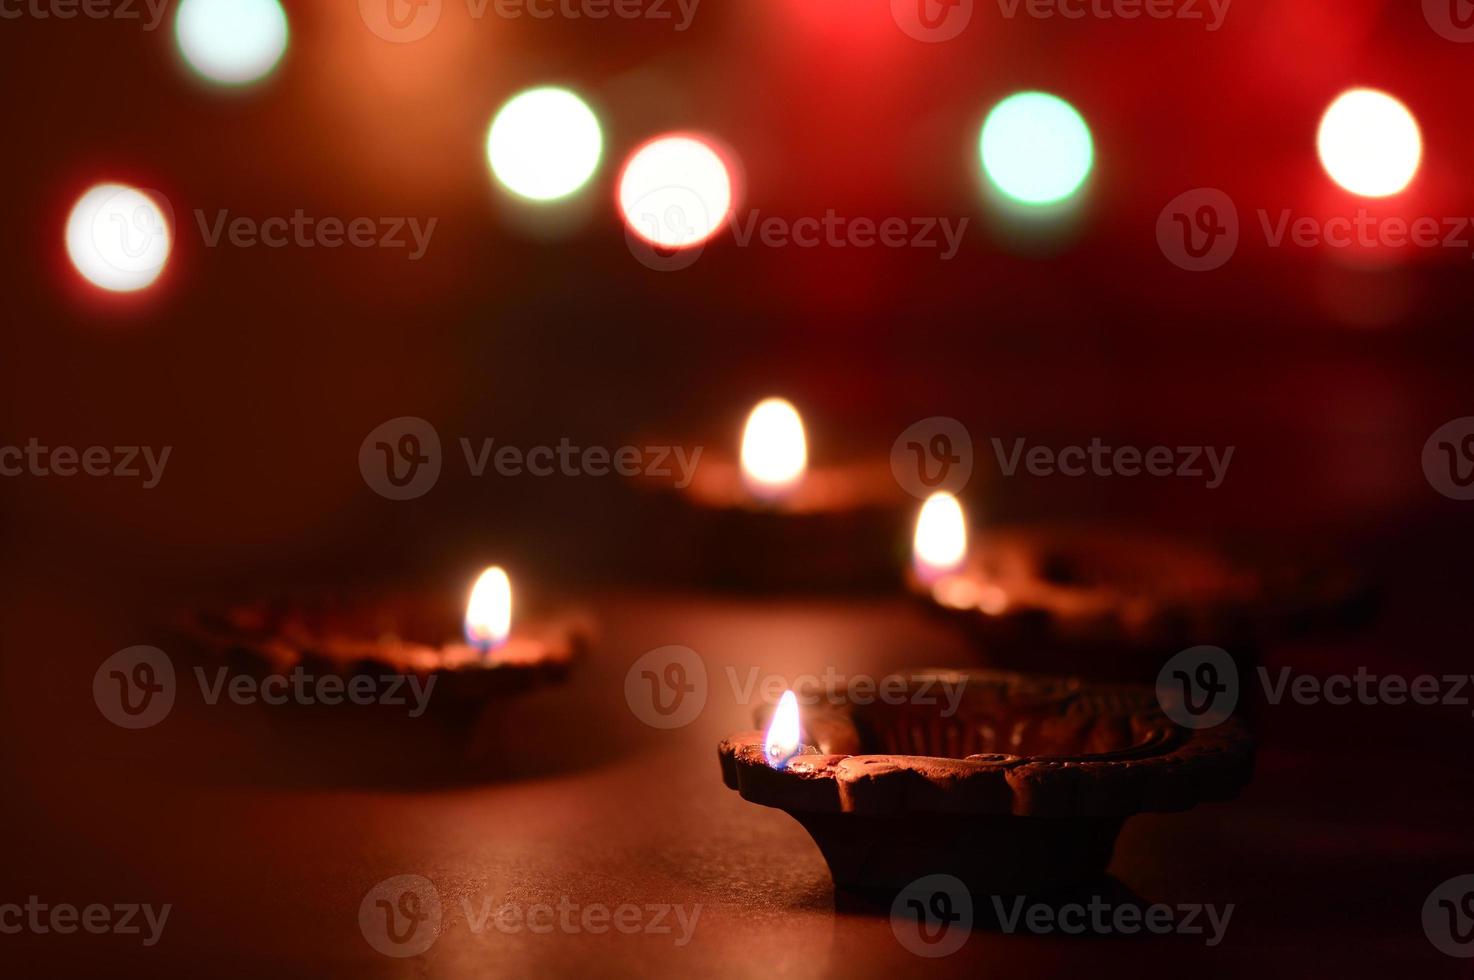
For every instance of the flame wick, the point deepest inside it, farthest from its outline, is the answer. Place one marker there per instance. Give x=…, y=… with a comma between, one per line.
x=782, y=741
x=940, y=544
x=489, y=610
x=774, y=450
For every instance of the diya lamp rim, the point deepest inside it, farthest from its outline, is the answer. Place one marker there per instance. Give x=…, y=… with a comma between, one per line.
x=1172, y=769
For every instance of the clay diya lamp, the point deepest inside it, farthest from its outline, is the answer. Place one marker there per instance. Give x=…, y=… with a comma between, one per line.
x=1021, y=791
x=769, y=517
x=1111, y=602
x=466, y=654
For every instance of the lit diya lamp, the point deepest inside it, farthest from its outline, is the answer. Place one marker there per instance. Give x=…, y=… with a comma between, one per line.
x=773, y=515
x=1104, y=601
x=470, y=647
x=1020, y=787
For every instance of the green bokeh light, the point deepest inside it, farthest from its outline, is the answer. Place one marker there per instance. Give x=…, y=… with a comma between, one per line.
x=1036, y=149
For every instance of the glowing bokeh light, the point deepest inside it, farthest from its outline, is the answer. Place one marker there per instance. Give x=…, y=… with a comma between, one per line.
x=782, y=740
x=1036, y=149
x=675, y=191
x=774, y=450
x=940, y=542
x=489, y=610
x=544, y=144
x=118, y=237
x=233, y=42
x=1369, y=143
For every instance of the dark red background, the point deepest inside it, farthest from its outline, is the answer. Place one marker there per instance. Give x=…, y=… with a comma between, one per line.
x=264, y=369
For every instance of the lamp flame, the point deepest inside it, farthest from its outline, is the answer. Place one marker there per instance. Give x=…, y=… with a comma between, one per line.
x=782, y=740
x=940, y=544
x=774, y=451
x=489, y=610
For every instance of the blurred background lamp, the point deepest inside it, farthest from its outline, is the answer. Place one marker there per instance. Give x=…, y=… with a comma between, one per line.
x=233, y=42
x=1369, y=143
x=544, y=144
x=675, y=191
x=1036, y=148
x=118, y=237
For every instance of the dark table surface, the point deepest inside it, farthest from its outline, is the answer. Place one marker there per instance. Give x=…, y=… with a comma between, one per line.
x=265, y=842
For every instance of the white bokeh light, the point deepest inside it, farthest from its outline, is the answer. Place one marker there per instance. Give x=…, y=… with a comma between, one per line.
x=118, y=237
x=675, y=192
x=1369, y=143
x=233, y=42
x=544, y=144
